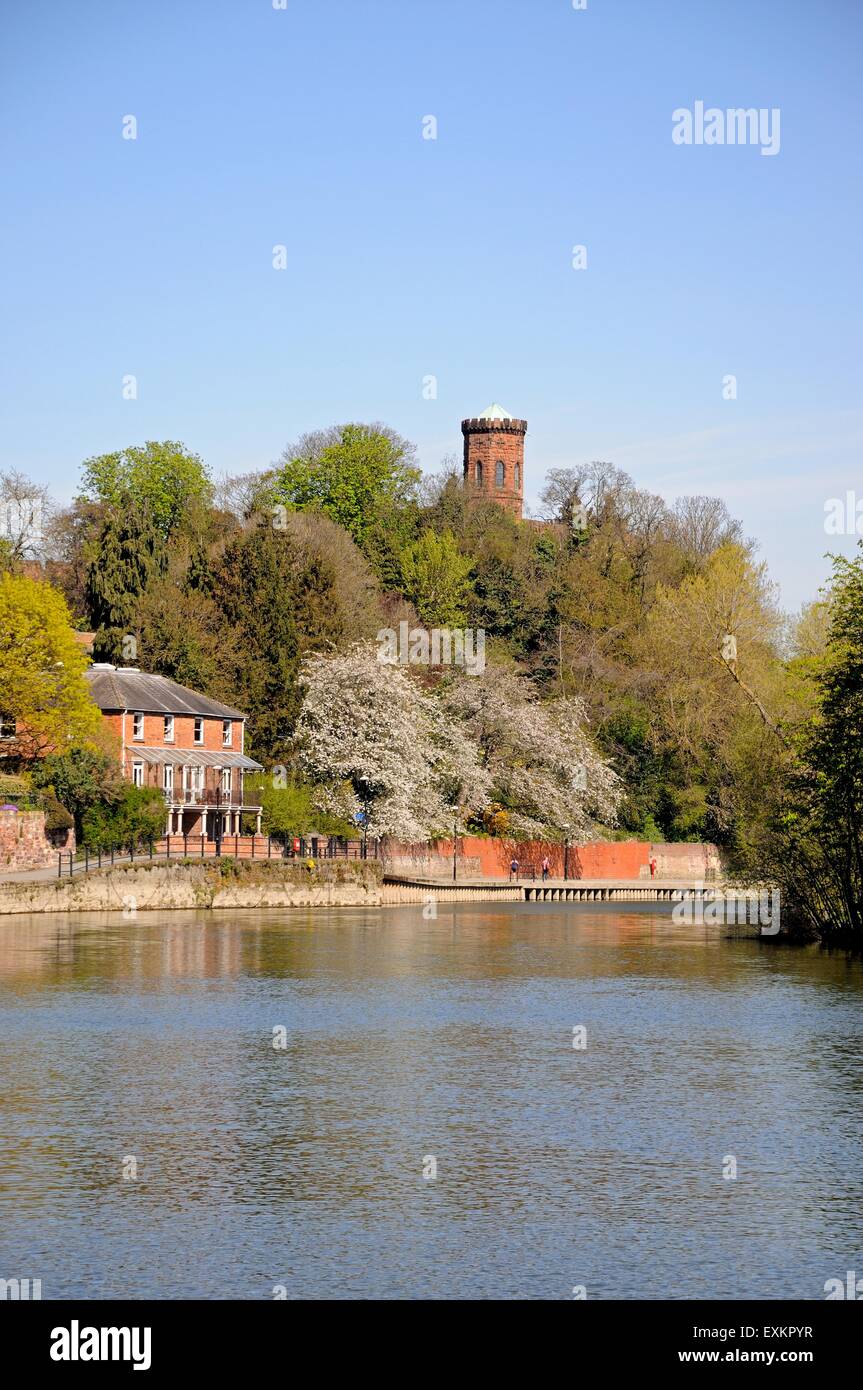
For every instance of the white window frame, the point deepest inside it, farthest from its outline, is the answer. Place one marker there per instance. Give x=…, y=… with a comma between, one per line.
x=136, y=736
x=168, y=779
x=137, y=773
x=196, y=780
x=226, y=780
x=227, y=733
x=199, y=724
x=169, y=728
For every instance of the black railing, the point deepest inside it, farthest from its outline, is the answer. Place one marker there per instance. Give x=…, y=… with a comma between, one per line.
x=186, y=846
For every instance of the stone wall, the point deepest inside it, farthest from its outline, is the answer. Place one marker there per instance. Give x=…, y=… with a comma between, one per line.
x=24, y=843
x=153, y=887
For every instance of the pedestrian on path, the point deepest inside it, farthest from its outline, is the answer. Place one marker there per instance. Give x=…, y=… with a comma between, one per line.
x=513, y=869
x=653, y=867
x=545, y=868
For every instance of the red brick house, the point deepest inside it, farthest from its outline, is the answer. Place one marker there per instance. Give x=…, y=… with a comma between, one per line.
x=188, y=746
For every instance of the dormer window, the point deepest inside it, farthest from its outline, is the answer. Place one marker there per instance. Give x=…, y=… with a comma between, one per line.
x=499, y=473
x=138, y=726
x=169, y=728
x=227, y=735
x=199, y=730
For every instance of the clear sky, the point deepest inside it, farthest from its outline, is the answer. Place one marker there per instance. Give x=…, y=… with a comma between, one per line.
x=409, y=257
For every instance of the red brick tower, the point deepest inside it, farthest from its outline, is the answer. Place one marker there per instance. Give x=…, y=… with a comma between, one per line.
x=494, y=458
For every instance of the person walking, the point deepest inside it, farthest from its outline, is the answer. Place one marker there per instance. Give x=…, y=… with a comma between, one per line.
x=545, y=868
x=513, y=868
x=653, y=867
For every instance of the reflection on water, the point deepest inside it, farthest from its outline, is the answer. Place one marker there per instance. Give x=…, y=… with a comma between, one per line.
x=406, y=1038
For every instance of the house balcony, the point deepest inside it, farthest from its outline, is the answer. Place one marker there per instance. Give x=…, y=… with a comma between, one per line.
x=205, y=798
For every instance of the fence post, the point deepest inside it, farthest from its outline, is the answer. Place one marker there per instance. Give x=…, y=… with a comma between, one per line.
x=99, y=853
x=151, y=847
x=132, y=850
x=185, y=844
x=86, y=860
x=71, y=865
x=59, y=864
x=253, y=844
x=236, y=846
x=269, y=846
x=112, y=854
x=167, y=846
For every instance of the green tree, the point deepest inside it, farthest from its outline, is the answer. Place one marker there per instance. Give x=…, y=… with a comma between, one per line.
x=162, y=479
x=361, y=476
x=82, y=779
x=133, y=820
x=258, y=599
x=435, y=579
x=126, y=557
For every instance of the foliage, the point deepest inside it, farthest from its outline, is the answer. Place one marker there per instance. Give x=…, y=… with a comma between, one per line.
x=361, y=476
x=292, y=809
x=163, y=480
x=434, y=577
x=133, y=820
x=81, y=779
x=42, y=685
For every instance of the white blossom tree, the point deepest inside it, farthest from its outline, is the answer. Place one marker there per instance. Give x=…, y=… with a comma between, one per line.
x=543, y=764
x=375, y=743
x=416, y=760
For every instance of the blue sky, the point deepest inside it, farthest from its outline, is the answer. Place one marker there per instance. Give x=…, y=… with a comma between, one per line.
x=450, y=257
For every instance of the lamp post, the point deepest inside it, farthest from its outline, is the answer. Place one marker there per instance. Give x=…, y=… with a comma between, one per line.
x=454, y=843
x=218, y=822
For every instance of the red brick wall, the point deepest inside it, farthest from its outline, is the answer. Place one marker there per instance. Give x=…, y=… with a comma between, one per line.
x=490, y=858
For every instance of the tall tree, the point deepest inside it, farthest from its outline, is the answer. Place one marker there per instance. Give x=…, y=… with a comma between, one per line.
x=162, y=479
x=43, y=692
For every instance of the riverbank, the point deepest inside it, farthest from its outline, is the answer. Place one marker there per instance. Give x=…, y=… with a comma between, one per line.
x=224, y=883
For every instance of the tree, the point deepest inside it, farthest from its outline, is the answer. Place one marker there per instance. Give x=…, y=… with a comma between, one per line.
x=81, y=778
x=24, y=508
x=361, y=476
x=163, y=479
x=378, y=747
x=544, y=768
x=42, y=685
x=815, y=845
x=126, y=557
x=257, y=595
x=435, y=579
x=133, y=820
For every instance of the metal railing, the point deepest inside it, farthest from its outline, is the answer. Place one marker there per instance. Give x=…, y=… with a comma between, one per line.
x=188, y=846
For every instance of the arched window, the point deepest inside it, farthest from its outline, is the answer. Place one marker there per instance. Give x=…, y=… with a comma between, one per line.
x=478, y=473
x=499, y=473
x=517, y=476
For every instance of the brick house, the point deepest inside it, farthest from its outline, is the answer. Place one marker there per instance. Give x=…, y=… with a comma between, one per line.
x=188, y=746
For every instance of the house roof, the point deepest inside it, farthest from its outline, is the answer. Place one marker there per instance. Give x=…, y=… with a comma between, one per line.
x=127, y=688
x=191, y=757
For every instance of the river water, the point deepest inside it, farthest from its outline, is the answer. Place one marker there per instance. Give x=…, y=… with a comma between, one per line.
x=146, y=1047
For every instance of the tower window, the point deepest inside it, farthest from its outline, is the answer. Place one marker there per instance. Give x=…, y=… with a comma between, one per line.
x=478, y=473
x=517, y=476
x=499, y=473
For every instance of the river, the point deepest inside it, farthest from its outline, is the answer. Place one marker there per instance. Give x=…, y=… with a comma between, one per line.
x=425, y=1126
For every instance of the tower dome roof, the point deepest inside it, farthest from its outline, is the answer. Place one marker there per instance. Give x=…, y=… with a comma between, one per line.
x=494, y=412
